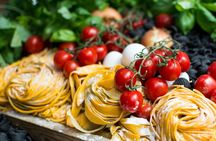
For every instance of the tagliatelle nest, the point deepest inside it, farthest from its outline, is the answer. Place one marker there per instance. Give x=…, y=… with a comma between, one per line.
x=184, y=115
x=35, y=87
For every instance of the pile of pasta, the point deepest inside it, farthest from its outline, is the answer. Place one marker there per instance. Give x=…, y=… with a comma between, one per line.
x=89, y=102
x=34, y=86
x=184, y=115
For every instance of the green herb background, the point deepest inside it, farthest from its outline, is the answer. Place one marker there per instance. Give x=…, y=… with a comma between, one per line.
x=62, y=20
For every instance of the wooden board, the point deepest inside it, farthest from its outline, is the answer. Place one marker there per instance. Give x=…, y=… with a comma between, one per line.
x=43, y=130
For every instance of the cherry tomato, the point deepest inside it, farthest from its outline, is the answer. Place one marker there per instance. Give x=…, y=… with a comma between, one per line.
x=155, y=56
x=213, y=95
x=34, y=44
x=123, y=78
x=67, y=46
x=138, y=24
x=164, y=20
x=70, y=66
x=183, y=60
x=112, y=43
x=87, y=56
x=131, y=100
x=61, y=57
x=171, y=71
x=212, y=70
x=101, y=51
x=155, y=87
x=108, y=36
x=89, y=33
x=205, y=84
x=148, y=68
x=144, y=111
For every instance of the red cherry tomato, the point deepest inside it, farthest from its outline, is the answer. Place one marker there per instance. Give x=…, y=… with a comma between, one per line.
x=212, y=70
x=164, y=20
x=89, y=33
x=101, y=51
x=183, y=60
x=155, y=56
x=123, y=78
x=107, y=36
x=87, y=56
x=213, y=95
x=171, y=71
x=138, y=24
x=34, y=44
x=112, y=43
x=61, y=57
x=148, y=68
x=131, y=100
x=205, y=84
x=67, y=46
x=144, y=111
x=70, y=66
x=155, y=87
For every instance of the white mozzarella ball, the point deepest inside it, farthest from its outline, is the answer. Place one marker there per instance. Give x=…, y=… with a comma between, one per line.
x=170, y=83
x=130, y=51
x=185, y=76
x=112, y=58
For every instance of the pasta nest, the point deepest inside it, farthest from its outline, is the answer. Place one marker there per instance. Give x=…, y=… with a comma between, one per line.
x=184, y=115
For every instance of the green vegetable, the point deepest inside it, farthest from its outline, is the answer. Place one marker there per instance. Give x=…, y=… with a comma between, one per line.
x=63, y=35
x=185, y=21
x=210, y=6
x=182, y=5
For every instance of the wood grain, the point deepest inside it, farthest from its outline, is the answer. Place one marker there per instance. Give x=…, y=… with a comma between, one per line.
x=43, y=130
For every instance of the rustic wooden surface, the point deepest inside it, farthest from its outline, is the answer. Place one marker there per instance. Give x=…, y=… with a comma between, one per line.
x=43, y=130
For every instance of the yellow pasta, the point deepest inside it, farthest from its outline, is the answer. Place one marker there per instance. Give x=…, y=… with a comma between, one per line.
x=184, y=115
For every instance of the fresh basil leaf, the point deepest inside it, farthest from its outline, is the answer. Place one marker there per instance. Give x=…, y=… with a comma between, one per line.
x=2, y=62
x=210, y=6
x=65, y=13
x=101, y=4
x=182, y=5
x=213, y=35
x=205, y=19
x=20, y=35
x=185, y=21
x=7, y=54
x=5, y=23
x=160, y=6
x=17, y=52
x=63, y=35
x=82, y=11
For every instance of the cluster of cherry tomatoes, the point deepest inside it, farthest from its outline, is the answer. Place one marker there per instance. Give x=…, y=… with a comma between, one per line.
x=167, y=63
x=69, y=57
x=206, y=83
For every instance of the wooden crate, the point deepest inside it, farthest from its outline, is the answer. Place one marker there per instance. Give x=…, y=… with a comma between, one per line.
x=43, y=130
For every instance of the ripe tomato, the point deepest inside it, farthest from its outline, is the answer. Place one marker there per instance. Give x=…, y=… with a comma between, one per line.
x=70, y=66
x=171, y=71
x=155, y=87
x=163, y=20
x=101, y=51
x=205, y=84
x=87, y=56
x=131, y=100
x=213, y=95
x=61, y=57
x=212, y=70
x=138, y=24
x=123, y=78
x=148, y=68
x=144, y=111
x=155, y=56
x=67, y=46
x=89, y=33
x=183, y=60
x=34, y=44
x=112, y=43
x=108, y=36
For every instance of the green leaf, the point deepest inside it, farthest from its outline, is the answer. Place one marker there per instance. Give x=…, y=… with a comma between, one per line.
x=101, y=4
x=63, y=35
x=8, y=56
x=185, y=21
x=82, y=11
x=5, y=23
x=2, y=62
x=182, y=5
x=64, y=12
x=205, y=19
x=210, y=6
x=213, y=35
x=20, y=35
